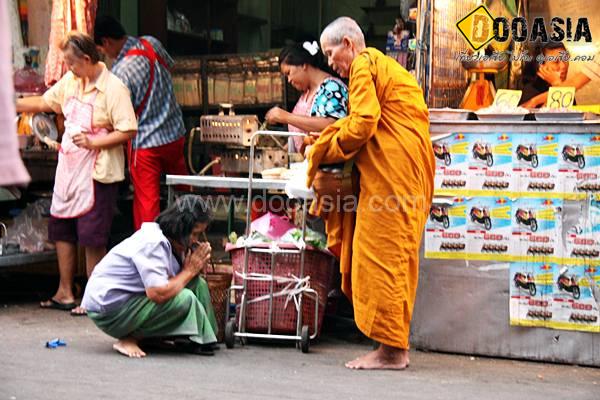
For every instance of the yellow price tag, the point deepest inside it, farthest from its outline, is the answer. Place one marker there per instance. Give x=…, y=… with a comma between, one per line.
x=560, y=97
x=507, y=98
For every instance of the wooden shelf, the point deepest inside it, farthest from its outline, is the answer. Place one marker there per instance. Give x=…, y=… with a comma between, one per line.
x=236, y=107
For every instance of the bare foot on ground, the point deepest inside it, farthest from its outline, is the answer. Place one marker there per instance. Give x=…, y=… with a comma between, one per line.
x=385, y=357
x=78, y=311
x=129, y=347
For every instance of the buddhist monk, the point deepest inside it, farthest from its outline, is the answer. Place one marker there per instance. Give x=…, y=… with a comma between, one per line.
x=386, y=135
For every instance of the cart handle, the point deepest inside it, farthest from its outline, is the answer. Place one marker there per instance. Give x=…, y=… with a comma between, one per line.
x=251, y=166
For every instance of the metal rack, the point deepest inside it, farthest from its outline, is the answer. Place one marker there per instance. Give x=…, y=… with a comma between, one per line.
x=237, y=329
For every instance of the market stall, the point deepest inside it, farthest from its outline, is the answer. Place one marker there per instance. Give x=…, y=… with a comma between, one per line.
x=511, y=241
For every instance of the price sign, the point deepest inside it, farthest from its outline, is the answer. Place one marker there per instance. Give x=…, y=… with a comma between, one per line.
x=560, y=97
x=507, y=98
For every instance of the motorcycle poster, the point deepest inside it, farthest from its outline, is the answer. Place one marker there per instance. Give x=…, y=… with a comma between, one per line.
x=579, y=164
x=536, y=229
x=535, y=165
x=580, y=231
x=451, y=164
x=489, y=230
x=531, y=287
x=576, y=298
x=490, y=165
x=445, y=231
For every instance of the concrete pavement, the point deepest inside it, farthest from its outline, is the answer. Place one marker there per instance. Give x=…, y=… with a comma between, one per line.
x=88, y=368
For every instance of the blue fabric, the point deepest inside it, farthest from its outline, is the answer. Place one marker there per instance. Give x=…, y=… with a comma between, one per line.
x=161, y=121
x=331, y=100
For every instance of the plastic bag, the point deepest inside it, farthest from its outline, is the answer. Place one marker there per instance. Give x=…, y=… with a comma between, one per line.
x=272, y=226
x=313, y=238
x=30, y=228
x=296, y=187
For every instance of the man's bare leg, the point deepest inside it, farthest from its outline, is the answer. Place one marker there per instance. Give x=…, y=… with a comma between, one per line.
x=129, y=347
x=385, y=357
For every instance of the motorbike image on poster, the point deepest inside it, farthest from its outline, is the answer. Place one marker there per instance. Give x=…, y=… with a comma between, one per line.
x=490, y=164
x=441, y=151
x=489, y=231
x=579, y=163
x=576, y=298
x=535, y=164
x=445, y=231
x=531, y=293
x=451, y=164
x=536, y=228
x=580, y=231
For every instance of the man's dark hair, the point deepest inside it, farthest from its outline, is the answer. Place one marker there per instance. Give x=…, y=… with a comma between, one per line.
x=108, y=27
x=178, y=221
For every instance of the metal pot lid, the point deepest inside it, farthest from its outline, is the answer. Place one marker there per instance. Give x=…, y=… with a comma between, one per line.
x=42, y=125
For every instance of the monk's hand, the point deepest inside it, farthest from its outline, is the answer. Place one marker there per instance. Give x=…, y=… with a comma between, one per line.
x=550, y=74
x=276, y=115
x=82, y=140
x=197, y=259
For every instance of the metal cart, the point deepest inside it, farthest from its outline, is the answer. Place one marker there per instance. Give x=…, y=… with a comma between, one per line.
x=237, y=329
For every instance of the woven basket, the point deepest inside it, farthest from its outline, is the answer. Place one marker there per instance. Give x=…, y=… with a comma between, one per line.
x=219, y=282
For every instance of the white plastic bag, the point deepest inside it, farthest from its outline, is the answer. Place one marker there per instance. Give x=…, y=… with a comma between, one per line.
x=295, y=187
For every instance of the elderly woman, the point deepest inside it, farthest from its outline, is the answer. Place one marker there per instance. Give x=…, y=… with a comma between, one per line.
x=99, y=119
x=387, y=135
x=147, y=287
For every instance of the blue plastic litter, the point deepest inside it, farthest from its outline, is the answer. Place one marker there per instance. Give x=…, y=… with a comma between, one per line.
x=54, y=343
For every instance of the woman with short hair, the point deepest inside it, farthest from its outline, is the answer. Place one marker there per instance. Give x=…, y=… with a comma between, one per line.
x=99, y=119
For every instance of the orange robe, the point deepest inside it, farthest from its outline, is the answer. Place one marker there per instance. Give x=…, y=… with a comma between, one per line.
x=387, y=136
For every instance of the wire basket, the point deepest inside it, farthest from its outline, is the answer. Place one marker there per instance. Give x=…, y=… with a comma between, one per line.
x=317, y=265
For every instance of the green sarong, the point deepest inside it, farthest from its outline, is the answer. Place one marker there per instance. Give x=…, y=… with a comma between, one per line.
x=190, y=314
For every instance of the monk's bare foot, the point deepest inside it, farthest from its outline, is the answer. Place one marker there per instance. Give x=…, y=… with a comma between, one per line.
x=385, y=357
x=129, y=347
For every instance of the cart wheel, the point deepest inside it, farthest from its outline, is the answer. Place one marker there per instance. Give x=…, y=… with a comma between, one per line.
x=230, y=334
x=305, y=339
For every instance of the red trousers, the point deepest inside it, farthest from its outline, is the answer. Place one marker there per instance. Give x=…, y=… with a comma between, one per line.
x=145, y=168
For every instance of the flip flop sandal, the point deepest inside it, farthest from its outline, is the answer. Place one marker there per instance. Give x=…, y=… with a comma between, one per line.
x=55, y=305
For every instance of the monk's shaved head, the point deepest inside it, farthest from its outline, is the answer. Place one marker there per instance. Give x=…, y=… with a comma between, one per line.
x=342, y=27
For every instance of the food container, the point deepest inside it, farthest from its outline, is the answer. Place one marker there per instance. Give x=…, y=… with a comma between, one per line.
x=448, y=114
x=501, y=117
x=546, y=115
x=502, y=113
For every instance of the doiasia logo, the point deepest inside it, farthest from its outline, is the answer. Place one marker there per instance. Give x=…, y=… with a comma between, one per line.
x=480, y=27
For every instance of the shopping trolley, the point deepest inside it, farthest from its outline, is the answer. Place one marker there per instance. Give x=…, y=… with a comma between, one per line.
x=260, y=292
